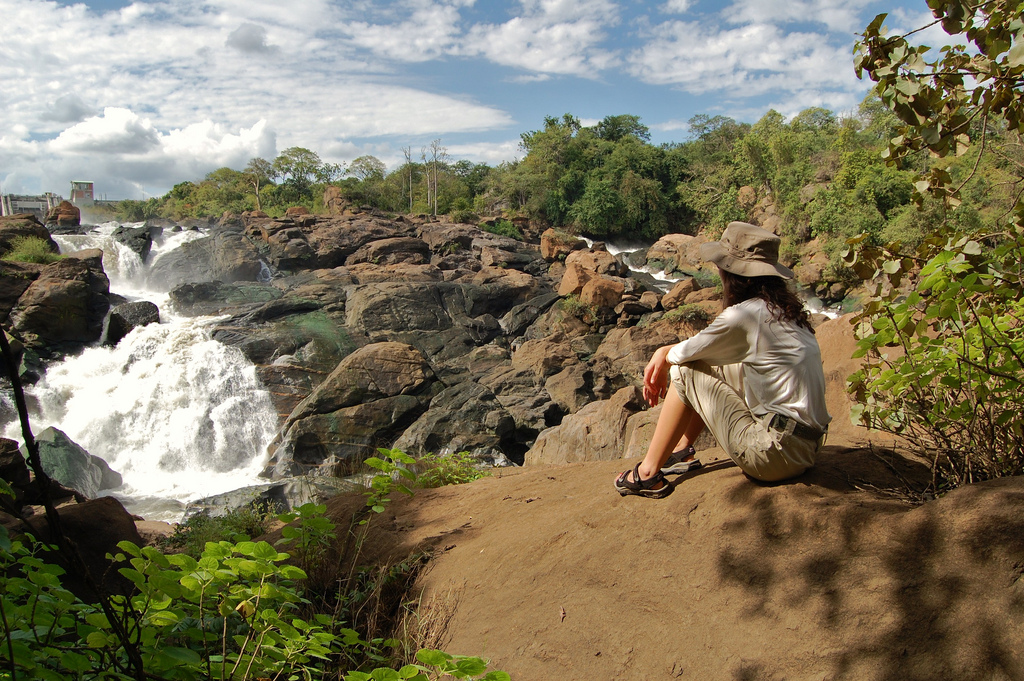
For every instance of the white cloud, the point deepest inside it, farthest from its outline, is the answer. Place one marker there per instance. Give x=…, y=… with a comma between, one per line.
x=837, y=15
x=429, y=32
x=177, y=85
x=490, y=153
x=676, y=6
x=551, y=36
x=116, y=131
x=68, y=108
x=529, y=78
x=252, y=39
x=744, y=62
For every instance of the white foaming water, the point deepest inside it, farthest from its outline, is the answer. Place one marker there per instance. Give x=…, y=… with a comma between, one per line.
x=176, y=413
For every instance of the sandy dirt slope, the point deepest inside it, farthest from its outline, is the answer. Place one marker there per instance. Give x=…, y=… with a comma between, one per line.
x=557, y=577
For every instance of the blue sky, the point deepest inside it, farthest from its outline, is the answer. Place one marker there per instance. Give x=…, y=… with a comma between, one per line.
x=138, y=96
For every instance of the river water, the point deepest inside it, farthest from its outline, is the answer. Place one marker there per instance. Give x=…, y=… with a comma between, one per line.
x=177, y=414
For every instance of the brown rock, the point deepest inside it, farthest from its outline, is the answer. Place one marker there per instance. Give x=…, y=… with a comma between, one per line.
x=67, y=302
x=596, y=433
x=544, y=356
x=573, y=280
x=65, y=214
x=602, y=292
x=334, y=201
x=390, y=251
x=650, y=300
x=569, y=388
x=555, y=244
x=15, y=278
x=772, y=223
x=677, y=296
x=596, y=261
x=371, y=372
x=676, y=252
x=746, y=197
x=704, y=295
x=23, y=225
x=813, y=262
x=294, y=211
x=95, y=527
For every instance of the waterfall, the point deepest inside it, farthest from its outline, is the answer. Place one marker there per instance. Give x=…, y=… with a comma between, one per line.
x=178, y=414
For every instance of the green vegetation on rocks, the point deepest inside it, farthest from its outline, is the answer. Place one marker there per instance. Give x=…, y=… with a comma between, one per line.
x=30, y=249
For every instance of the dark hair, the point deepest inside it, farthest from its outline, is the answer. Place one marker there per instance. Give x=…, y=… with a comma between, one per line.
x=782, y=303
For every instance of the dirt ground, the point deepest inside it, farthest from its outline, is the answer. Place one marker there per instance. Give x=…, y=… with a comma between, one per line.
x=553, y=575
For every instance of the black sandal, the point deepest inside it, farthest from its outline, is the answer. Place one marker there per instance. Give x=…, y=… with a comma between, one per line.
x=643, y=488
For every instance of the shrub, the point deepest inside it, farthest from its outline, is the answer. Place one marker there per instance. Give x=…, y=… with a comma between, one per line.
x=240, y=524
x=504, y=227
x=448, y=469
x=31, y=249
x=573, y=306
x=944, y=363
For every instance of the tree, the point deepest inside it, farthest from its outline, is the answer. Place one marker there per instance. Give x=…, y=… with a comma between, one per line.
x=434, y=157
x=258, y=173
x=367, y=168
x=304, y=167
x=614, y=128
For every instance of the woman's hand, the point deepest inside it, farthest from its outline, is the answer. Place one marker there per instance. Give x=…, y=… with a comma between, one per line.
x=656, y=376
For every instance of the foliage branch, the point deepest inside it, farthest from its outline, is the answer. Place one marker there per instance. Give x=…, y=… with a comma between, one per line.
x=943, y=331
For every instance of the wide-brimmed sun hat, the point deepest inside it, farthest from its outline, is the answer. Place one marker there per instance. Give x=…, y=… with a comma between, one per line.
x=747, y=250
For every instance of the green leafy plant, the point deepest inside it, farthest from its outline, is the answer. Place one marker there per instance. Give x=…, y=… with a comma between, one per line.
x=448, y=469
x=311, y=539
x=433, y=665
x=392, y=464
x=228, y=615
x=573, y=306
x=504, y=227
x=32, y=249
x=239, y=524
x=944, y=359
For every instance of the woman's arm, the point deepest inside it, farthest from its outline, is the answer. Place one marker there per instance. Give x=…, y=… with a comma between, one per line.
x=656, y=376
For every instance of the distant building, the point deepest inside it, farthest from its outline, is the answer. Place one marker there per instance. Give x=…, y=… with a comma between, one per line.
x=81, y=193
x=11, y=204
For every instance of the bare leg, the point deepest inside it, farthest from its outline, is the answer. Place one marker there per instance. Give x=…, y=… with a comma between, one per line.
x=673, y=423
x=693, y=429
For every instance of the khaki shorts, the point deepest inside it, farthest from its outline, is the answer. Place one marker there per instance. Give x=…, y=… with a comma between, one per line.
x=716, y=394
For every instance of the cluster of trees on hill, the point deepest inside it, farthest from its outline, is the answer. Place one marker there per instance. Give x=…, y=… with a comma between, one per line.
x=825, y=175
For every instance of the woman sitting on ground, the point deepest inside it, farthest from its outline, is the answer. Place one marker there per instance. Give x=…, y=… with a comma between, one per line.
x=754, y=376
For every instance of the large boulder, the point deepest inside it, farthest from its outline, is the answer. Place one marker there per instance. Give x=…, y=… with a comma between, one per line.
x=128, y=316
x=402, y=249
x=677, y=296
x=464, y=417
x=602, y=292
x=676, y=253
x=64, y=214
x=556, y=245
x=72, y=466
x=225, y=255
x=15, y=278
x=95, y=528
x=597, y=432
x=332, y=241
x=138, y=239
x=66, y=303
x=368, y=399
x=597, y=262
x=23, y=225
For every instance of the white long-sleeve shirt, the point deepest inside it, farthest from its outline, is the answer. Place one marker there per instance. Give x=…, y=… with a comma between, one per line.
x=781, y=361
